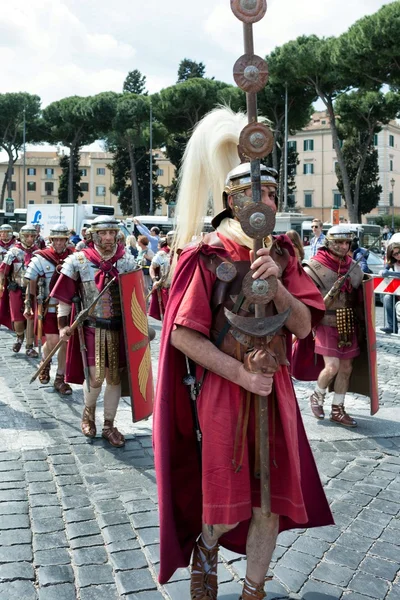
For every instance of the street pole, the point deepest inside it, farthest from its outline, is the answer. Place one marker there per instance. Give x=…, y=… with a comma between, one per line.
x=392, y=182
x=24, y=162
x=285, y=190
x=151, y=159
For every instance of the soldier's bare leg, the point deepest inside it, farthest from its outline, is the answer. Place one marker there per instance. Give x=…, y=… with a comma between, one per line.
x=204, y=582
x=327, y=375
x=60, y=385
x=261, y=542
x=19, y=327
x=30, y=339
x=112, y=395
x=88, y=424
x=51, y=341
x=341, y=385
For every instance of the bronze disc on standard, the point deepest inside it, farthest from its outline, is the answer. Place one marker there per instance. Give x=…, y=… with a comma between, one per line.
x=256, y=141
x=259, y=291
x=250, y=73
x=257, y=220
x=249, y=11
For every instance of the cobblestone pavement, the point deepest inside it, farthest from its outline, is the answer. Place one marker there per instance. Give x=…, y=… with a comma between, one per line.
x=78, y=519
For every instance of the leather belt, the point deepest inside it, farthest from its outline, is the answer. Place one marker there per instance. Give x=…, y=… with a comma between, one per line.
x=108, y=324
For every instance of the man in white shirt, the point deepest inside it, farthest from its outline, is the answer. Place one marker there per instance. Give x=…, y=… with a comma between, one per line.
x=318, y=240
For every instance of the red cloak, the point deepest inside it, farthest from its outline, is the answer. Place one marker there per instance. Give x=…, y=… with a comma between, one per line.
x=176, y=459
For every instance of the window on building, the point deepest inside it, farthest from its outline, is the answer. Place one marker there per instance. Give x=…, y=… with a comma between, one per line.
x=335, y=166
x=340, y=144
x=84, y=201
x=337, y=200
x=391, y=141
x=375, y=139
x=323, y=122
x=49, y=201
x=13, y=186
x=49, y=188
x=308, y=169
x=159, y=172
x=31, y=186
x=100, y=190
x=308, y=145
x=31, y=202
x=84, y=186
x=49, y=172
x=101, y=171
x=83, y=172
x=390, y=165
x=291, y=199
x=31, y=171
x=308, y=199
x=292, y=144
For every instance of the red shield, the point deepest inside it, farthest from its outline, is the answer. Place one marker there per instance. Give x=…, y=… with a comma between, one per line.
x=137, y=345
x=364, y=378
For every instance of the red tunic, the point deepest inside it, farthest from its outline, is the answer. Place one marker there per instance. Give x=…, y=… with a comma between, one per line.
x=296, y=491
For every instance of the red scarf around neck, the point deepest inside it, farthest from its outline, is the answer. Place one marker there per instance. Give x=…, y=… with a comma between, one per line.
x=336, y=264
x=106, y=267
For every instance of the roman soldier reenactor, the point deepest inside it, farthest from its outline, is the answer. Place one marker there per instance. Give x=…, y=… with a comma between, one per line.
x=13, y=288
x=7, y=240
x=43, y=272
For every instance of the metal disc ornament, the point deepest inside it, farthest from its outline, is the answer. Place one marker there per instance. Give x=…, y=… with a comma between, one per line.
x=260, y=291
x=256, y=141
x=249, y=11
x=257, y=220
x=226, y=271
x=250, y=73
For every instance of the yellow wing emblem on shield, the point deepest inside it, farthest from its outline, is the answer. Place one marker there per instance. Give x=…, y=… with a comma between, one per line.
x=138, y=315
x=144, y=370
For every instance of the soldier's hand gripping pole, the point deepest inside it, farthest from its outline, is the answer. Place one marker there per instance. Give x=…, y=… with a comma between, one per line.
x=82, y=345
x=83, y=315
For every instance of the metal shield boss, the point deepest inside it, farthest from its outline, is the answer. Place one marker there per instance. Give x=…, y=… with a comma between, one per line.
x=364, y=378
x=137, y=347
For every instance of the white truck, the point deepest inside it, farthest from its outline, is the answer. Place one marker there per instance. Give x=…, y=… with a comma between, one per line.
x=74, y=216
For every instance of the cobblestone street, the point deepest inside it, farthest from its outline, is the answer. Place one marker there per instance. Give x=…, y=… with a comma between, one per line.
x=78, y=519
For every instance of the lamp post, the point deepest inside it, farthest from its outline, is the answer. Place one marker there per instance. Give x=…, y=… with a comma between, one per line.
x=392, y=182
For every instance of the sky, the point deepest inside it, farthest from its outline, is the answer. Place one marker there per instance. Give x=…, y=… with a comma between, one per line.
x=59, y=48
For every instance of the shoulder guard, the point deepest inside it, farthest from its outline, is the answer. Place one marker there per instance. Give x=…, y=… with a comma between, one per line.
x=35, y=268
x=127, y=263
x=70, y=266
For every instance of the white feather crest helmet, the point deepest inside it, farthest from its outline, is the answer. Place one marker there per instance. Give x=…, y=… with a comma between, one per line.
x=209, y=156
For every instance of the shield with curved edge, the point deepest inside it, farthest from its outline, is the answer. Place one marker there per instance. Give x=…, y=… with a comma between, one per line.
x=137, y=346
x=364, y=378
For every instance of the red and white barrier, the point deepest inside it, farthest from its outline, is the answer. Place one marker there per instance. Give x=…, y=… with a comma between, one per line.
x=386, y=285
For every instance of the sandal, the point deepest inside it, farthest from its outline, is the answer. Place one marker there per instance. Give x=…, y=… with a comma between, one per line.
x=44, y=376
x=253, y=591
x=339, y=415
x=317, y=405
x=18, y=344
x=88, y=425
x=31, y=352
x=112, y=435
x=61, y=386
x=204, y=585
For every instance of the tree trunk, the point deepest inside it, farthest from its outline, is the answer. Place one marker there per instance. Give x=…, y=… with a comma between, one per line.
x=71, y=175
x=339, y=155
x=363, y=157
x=134, y=182
x=3, y=189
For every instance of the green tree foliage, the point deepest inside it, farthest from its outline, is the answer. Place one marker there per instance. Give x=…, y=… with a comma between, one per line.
x=130, y=131
x=122, y=187
x=13, y=108
x=64, y=179
x=369, y=52
x=179, y=107
x=77, y=121
x=190, y=69
x=368, y=182
x=361, y=115
x=171, y=193
x=135, y=83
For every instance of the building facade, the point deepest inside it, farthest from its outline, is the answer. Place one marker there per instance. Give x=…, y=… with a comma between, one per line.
x=43, y=173
x=316, y=182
